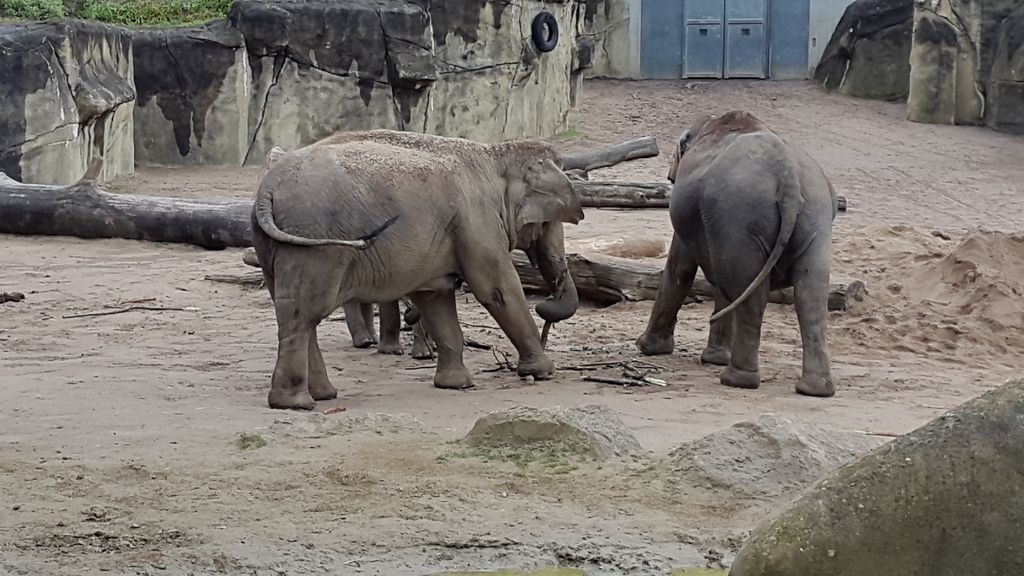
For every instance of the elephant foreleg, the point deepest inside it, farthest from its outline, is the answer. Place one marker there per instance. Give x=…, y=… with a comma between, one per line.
x=390, y=327
x=676, y=281
x=810, y=296
x=497, y=287
x=359, y=319
x=439, y=313
x=422, y=343
x=718, y=350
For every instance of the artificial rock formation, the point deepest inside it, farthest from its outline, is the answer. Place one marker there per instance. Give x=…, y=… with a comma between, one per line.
x=284, y=73
x=868, y=55
x=1006, y=81
x=948, y=498
x=280, y=73
x=68, y=98
x=955, y=76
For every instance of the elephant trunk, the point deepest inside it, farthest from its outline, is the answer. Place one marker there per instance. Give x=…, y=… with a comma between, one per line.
x=549, y=257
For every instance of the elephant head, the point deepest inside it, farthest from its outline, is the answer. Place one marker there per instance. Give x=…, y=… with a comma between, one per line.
x=541, y=197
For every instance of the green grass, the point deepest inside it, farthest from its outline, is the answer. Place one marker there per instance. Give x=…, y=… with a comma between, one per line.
x=699, y=572
x=568, y=134
x=248, y=441
x=123, y=12
x=30, y=9
x=551, y=457
x=538, y=572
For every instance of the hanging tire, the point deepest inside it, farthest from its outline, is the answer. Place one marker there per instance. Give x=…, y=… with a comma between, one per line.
x=545, y=31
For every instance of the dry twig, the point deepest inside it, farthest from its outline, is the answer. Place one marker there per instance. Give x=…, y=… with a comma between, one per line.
x=130, y=309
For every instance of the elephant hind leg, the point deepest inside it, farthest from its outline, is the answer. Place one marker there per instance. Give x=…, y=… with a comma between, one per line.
x=320, y=387
x=719, y=348
x=441, y=317
x=302, y=299
x=743, y=370
x=676, y=282
x=810, y=297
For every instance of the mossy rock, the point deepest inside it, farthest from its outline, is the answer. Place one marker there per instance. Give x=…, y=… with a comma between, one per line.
x=948, y=498
x=593, y=430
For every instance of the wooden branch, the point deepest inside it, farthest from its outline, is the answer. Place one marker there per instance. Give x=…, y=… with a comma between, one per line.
x=607, y=280
x=646, y=147
x=86, y=211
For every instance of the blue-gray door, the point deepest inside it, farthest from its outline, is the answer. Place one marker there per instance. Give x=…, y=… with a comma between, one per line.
x=745, y=35
x=725, y=38
x=704, y=48
x=661, y=38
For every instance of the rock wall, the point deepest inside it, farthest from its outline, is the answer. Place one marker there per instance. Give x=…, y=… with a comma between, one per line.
x=285, y=73
x=868, y=55
x=67, y=97
x=603, y=38
x=956, y=77
x=280, y=73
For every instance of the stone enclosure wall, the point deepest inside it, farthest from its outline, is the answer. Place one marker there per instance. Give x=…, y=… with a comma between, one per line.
x=285, y=73
x=952, y=61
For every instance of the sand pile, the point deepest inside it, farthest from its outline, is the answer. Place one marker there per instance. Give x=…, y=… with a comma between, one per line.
x=945, y=296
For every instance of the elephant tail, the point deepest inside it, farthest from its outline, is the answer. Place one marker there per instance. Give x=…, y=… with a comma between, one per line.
x=264, y=209
x=790, y=201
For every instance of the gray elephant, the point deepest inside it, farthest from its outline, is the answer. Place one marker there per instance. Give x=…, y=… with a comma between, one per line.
x=754, y=213
x=373, y=216
x=359, y=319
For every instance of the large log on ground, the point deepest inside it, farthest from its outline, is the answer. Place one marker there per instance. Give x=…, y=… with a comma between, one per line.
x=84, y=210
x=615, y=194
x=607, y=280
x=645, y=147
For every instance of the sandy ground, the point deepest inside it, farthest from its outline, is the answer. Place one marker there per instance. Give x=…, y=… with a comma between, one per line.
x=119, y=434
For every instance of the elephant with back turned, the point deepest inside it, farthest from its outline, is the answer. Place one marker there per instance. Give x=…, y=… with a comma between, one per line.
x=755, y=214
x=373, y=216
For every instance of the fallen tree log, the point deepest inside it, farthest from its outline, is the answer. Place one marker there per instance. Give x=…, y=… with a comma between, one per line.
x=86, y=211
x=615, y=194
x=645, y=147
x=607, y=280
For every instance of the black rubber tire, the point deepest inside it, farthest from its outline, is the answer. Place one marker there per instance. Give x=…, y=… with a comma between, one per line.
x=544, y=43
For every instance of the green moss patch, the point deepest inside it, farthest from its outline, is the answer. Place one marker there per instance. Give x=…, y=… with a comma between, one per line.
x=537, y=572
x=248, y=441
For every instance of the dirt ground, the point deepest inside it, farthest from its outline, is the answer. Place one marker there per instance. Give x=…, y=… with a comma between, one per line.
x=121, y=447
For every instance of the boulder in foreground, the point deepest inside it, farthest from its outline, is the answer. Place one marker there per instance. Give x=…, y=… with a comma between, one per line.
x=593, y=429
x=948, y=498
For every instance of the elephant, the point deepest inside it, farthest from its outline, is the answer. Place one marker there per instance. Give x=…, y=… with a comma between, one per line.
x=359, y=319
x=372, y=216
x=755, y=213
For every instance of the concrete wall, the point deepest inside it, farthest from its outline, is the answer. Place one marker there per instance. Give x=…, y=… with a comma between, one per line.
x=825, y=14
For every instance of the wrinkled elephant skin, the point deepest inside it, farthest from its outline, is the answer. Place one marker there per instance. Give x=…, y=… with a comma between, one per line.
x=370, y=217
x=754, y=213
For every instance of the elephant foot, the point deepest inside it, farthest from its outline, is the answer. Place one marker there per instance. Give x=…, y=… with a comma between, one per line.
x=390, y=348
x=422, y=352
x=736, y=378
x=652, y=346
x=285, y=399
x=322, y=390
x=820, y=386
x=540, y=367
x=453, y=379
x=716, y=356
x=363, y=341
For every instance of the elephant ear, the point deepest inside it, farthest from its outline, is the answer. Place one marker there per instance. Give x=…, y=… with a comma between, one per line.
x=546, y=195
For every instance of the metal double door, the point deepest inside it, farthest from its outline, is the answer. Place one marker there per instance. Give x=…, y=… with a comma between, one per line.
x=725, y=39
